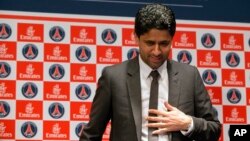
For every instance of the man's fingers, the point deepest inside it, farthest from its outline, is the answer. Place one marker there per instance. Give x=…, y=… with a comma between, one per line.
x=157, y=125
x=160, y=131
x=157, y=112
x=156, y=119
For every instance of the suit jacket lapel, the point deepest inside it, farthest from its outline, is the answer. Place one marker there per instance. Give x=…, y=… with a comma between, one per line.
x=174, y=88
x=134, y=91
x=174, y=84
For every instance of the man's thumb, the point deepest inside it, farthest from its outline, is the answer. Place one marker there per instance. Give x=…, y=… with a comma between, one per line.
x=168, y=106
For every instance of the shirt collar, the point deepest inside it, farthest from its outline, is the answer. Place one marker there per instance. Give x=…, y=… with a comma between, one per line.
x=145, y=70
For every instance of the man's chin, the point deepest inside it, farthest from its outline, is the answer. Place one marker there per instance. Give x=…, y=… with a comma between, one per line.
x=156, y=65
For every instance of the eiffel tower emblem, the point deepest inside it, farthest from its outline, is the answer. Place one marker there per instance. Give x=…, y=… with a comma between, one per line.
x=232, y=60
x=29, y=91
x=30, y=52
x=109, y=37
x=83, y=54
x=56, y=111
x=184, y=58
x=234, y=96
x=3, y=70
x=208, y=41
x=134, y=54
x=79, y=134
x=83, y=92
x=29, y=131
x=209, y=77
x=57, y=73
x=2, y=109
x=57, y=34
x=3, y=32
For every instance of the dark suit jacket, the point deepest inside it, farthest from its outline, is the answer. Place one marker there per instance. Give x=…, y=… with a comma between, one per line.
x=118, y=97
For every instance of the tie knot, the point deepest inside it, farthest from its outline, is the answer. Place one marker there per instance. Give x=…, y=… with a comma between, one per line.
x=155, y=74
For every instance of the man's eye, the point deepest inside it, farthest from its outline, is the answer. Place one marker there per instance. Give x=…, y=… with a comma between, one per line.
x=150, y=43
x=164, y=44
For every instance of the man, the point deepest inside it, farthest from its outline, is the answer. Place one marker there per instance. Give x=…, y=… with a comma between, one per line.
x=183, y=111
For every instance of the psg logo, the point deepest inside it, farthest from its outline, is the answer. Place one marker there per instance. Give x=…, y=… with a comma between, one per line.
x=4, y=109
x=56, y=110
x=29, y=129
x=208, y=40
x=132, y=53
x=4, y=69
x=79, y=128
x=234, y=96
x=232, y=59
x=5, y=31
x=109, y=36
x=209, y=77
x=29, y=90
x=83, y=53
x=184, y=57
x=83, y=91
x=56, y=71
x=57, y=33
x=30, y=51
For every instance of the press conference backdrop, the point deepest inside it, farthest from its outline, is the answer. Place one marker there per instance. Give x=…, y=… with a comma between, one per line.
x=51, y=59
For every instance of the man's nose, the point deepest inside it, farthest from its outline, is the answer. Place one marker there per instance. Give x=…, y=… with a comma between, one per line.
x=156, y=49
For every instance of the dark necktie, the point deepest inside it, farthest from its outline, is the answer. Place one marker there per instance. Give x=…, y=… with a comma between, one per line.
x=153, y=102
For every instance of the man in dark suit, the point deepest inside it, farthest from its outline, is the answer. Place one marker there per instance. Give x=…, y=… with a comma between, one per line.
x=183, y=112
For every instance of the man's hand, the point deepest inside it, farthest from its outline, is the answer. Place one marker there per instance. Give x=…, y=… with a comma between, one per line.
x=169, y=120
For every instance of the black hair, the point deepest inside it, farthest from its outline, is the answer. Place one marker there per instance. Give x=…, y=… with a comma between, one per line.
x=155, y=16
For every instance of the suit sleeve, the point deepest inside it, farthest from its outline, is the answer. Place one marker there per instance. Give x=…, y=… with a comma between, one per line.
x=100, y=111
x=206, y=124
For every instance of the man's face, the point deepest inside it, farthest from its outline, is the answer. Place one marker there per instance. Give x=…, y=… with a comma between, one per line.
x=154, y=47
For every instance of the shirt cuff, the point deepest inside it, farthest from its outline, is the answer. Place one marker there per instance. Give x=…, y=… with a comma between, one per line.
x=190, y=128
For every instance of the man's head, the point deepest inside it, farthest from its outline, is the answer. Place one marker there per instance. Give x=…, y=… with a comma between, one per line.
x=154, y=30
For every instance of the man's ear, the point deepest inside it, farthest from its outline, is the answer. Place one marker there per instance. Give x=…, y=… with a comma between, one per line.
x=136, y=38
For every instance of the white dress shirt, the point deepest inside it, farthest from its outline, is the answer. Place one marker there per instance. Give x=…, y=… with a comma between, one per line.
x=146, y=79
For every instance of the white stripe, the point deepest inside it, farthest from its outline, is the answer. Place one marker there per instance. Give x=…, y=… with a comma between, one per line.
x=135, y=2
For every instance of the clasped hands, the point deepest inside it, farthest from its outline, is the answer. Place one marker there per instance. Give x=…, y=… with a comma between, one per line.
x=168, y=120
